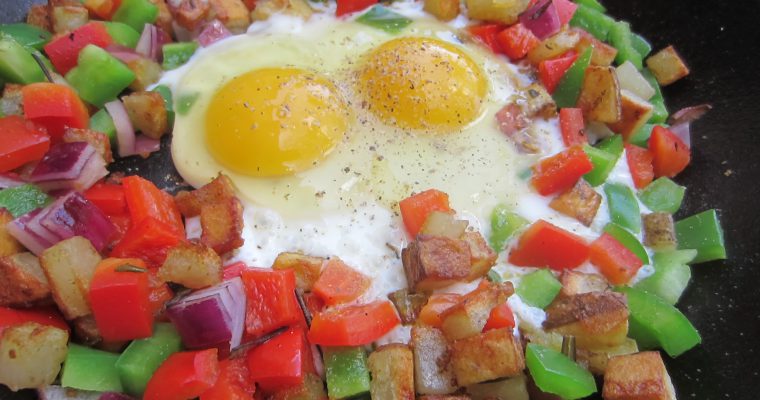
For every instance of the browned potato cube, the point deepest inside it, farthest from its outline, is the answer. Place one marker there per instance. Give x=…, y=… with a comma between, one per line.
x=482, y=257
x=266, y=8
x=445, y=10
x=538, y=102
x=634, y=113
x=189, y=14
x=67, y=18
x=667, y=66
x=554, y=46
x=147, y=112
x=8, y=244
x=39, y=16
x=580, y=202
x=31, y=355
x=24, y=283
x=440, y=223
x=505, y=11
x=598, y=320
x=512, y=389
x=222, y=225
x=312, y=388
x=164, y=19
x=468, y=317
x=86, y=330
x=600, y=95
x=574, y=282
x=431, y=262
x=602, y=55
x=69, y=266
x=392, y=370
x=659, y=231
x=408, y=305
x=640, y=376
x=98, y=140
x=147, y=72
x=306, y=268
x=216, y=191
x=192, y=265
x=232, y=13
x=490, y=355
x=432, y=370
x=597, y=361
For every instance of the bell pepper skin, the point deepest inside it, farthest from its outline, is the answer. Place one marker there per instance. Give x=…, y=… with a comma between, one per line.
x=620, y=37
x=504, y=224
x=99, y=77
x=26, y=35
x=703, y=233
x=176, y=54
x=415, y=209
x=350, y=6
x=663, y=195
x=487, y=34
x=640, y=165
x=603, y=163
x=108, y=197
x=550, y=72
x=642, y=46
x=149, y=240
x=561, y=171
x=569, y=87
x=353, y=325
x=338, y=283
x=280, y=362
x=592, y=21
x=670, y=155
x=539, y=288
x=22, y=199
x=615, y=261
x=671, y=275
x=516, y=41
x=43, y=316
x=546, y=245
x=623, y=207
x=271, y=301
x=123, y=34
x=347, y=372
x=22, y=142
x=572, y=126
x=593, y=4
x=17, y=64
x=660, y=112
x=136, y=13
x=233, y=383
x=628, y=240
x=102, y=122
x=86, y=368
x=501, y=317
x=142, y=357
x=184, y=375
x=54, y=107
x=554, y=373
x=63, y=51
x=613, y=145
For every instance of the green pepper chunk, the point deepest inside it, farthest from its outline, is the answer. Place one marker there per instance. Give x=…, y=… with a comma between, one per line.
x=624, y=209
x=660, y=112
x=166, y=93
x=653, y=322
x=671, y=275
x=27, y=35
x=101, y=121
x=17, y=64
x=142, y=357
x=382, y=18
x=86, y=368
x=603, y=162
x=555, y=373
x=613, y=145
x=663, y=195
x=23, y=199
x=642, y=46
x=594, y=4
x=569, y=87
x=176, y=54
x=347, y=371
x=628, y=240
x=123, y=34
x=136, y=13
x=620, y=38
x=504, y=224
x=99, y=77
x=703, y=233
x=592, y=21
x=185, y=102
x=538, y=288
x=641, y=135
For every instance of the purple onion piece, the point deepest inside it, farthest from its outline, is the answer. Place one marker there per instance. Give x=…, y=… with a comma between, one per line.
x=115, y=396
x=683, y=131
x=125, y=133
x=62, y=161
x=10, y=180
x=689, y=114
x=145, y=145
x=75, y=215
x=123, y=53
x=542, y=19
x=19, y=230
x=147, y=45
x=213, y=32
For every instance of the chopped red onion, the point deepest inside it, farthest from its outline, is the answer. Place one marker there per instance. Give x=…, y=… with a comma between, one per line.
x=689, y=114
x=125, y=133
x=35, y=226
x=213, y=32
x=9, y=180
x=148, y=44
x=62, y=161
x=145, y=145
x=55, y=392
x=18, y=229
x=542, y=19
x=123, y=53
x=683, y=131
x=73, y=215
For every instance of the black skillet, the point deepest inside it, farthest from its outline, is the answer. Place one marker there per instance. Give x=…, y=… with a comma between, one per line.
x=719, y=39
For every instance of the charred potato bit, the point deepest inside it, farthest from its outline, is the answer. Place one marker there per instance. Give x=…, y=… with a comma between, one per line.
x=659, y=231
x=39, y=16
x=634, y=113
x=432, y=369
x=216, y=191
x=639, y=376
x=482, y=257
x=580, y=202
x=98, y=140
x=311, y=388
x=266, y=8
x=147, y=112
x=598, y=320
x=189, y=14
x=164, y=19
x=232, y=13
x=538, y=102
x=31, y=355
x=392, y=370
x=600, y=95
x=554, y=46
x=222, y=225
x=445, y=10
x=505, y=11
x=192, y=265
x=408, y=305
x=667, y=66
x=86, y=330
x=24, y=283
x=147, y=72
x=602, y=55
x=431, y=262
x=67, y=18
x=574, y=283
x=490, y=355
x=306, y=268
x=468, y=317
x=69, y=266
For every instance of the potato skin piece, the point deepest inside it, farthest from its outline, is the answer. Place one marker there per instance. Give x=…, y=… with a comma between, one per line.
x=189, y=14
x=222, y=225
x=23, y=282
x=392, y=370
x=232, y=13
x=482, y=257
x=574, y=282
x=598, y=320
x=147, y=112
x=640, y=376
x=432, y=370
x=219, y=189
x=469, y=316
x=490, y=355
x=580, y=202
x=600, y=95
x=69, y=266
x=659, y=231
x=192, y=265
x=39, y=16
x=431, y=262
x=634, y=113
x=306, y=268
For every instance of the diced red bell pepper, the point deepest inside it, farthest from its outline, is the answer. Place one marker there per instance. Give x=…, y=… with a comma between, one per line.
x=565, y=10
x=150, y=240
x=349, y=6
x=415, y=209
x=516, y=41
x=280, y=362
x=501, y=317
x=22, y=142
x=233, y=382
x=353, y=325
x=272, y=301
x=640, y=165
x=561, y=171
x=159, y=293
x=615, y=261
x=103, y=9
x=120, y=300
x=122, y=224
x=43, y=316
x=108, y=197
x=147, y=202
x=546, y=245
x=670, y=155
x=430, y=314
x=572, y=126
x=550, y=72
x=340, y=283
x=184, y=375
x=486, y=33
x=55, y=107
x=233, y=270
x=63, y=50
x=314, y=303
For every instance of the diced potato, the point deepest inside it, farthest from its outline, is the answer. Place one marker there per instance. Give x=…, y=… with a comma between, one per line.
x=164, y=19
x=232, y=13
x=667, y=66
x=505, y=389
x=216, y=191
x=443, y=224
x=598, y=320
x=69, y=266
x=67, y=18
x=597, y=361
x=659, y=231
x=538, y=102
x=445, y=10
x=189, y=14
x=505, y=11
x=192, y=265
x=266, y=8
x=432, y=371
x=312, y=388
x=98, y=140
x=631, y=79
x=482, y=257
x=600, y=95
x=222, y=225
x=392, y=370
x=11, y=103
x=31, y=355
x=8, y=244
x=306, y=268
x=490, y=355
x=147, y=72
x=468, y=317
x=408, y=305
x=147, y=112
x=24, y=284
x=86, y=330
x=634, y=113
x=574, y=282
x=602, y=55
x=554, y=46
x=432, y=262
x=580, y=202
x=640, y=376
x=39, y=16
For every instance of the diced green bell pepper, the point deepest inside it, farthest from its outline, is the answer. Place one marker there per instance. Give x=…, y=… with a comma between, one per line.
x=569, y=87
x=703, y=233
x=102, y=122
x=663, y=195
x=99, y=77
x=86, y=368
x=555, y=373
x=382, y=18
x=594, y=4
x=660, y=112
x=613, y=145
x=623, y=206
x=538, y=288
x=176, y=54
x=142, y=357
x=347, y=371
x=185, y=102
x=27, y=35
x=17, y=64
x=671, y=275
x=603, y=162
x=620, y=38
x=136, y=13
x=641, y=135
x=23, y=199
x=592, y=21
x=166, y=93
x=628, y=240
x=504, y=224
x=642, y=46
x=653, y=322
x=123, y=34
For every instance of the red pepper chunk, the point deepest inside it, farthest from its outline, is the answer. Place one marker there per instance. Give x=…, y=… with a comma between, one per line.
x=615, y=261
x=516, y=41
x=22, y=142
x=63, y=51
x=108, y=197
x=55, y=107
x=233, y=382
x=340, y=283
x=501, y=317
x=415, y=209
x=486, y=34
x=560, y=171
x=546, y=245
x=271, y=301
x=354, y=325
x=572, y=126
x=550, y=72
x=280, y=362
x=640, y=165
x=43, y=316
x=184, y=375
x=670, y=155
x=350, y=6
x=120, y=300
x=150, y=240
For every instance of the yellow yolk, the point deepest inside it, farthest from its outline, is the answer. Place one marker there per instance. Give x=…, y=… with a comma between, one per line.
x=422, y=84
x=275, y=121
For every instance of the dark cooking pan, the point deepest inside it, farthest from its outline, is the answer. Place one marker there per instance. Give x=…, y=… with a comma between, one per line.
x=719, y=41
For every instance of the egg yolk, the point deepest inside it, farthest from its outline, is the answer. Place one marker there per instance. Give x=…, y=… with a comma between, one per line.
x=422, y=84
x=275, y=121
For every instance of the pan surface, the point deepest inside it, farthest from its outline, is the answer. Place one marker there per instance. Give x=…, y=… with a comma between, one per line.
x=719, y=42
